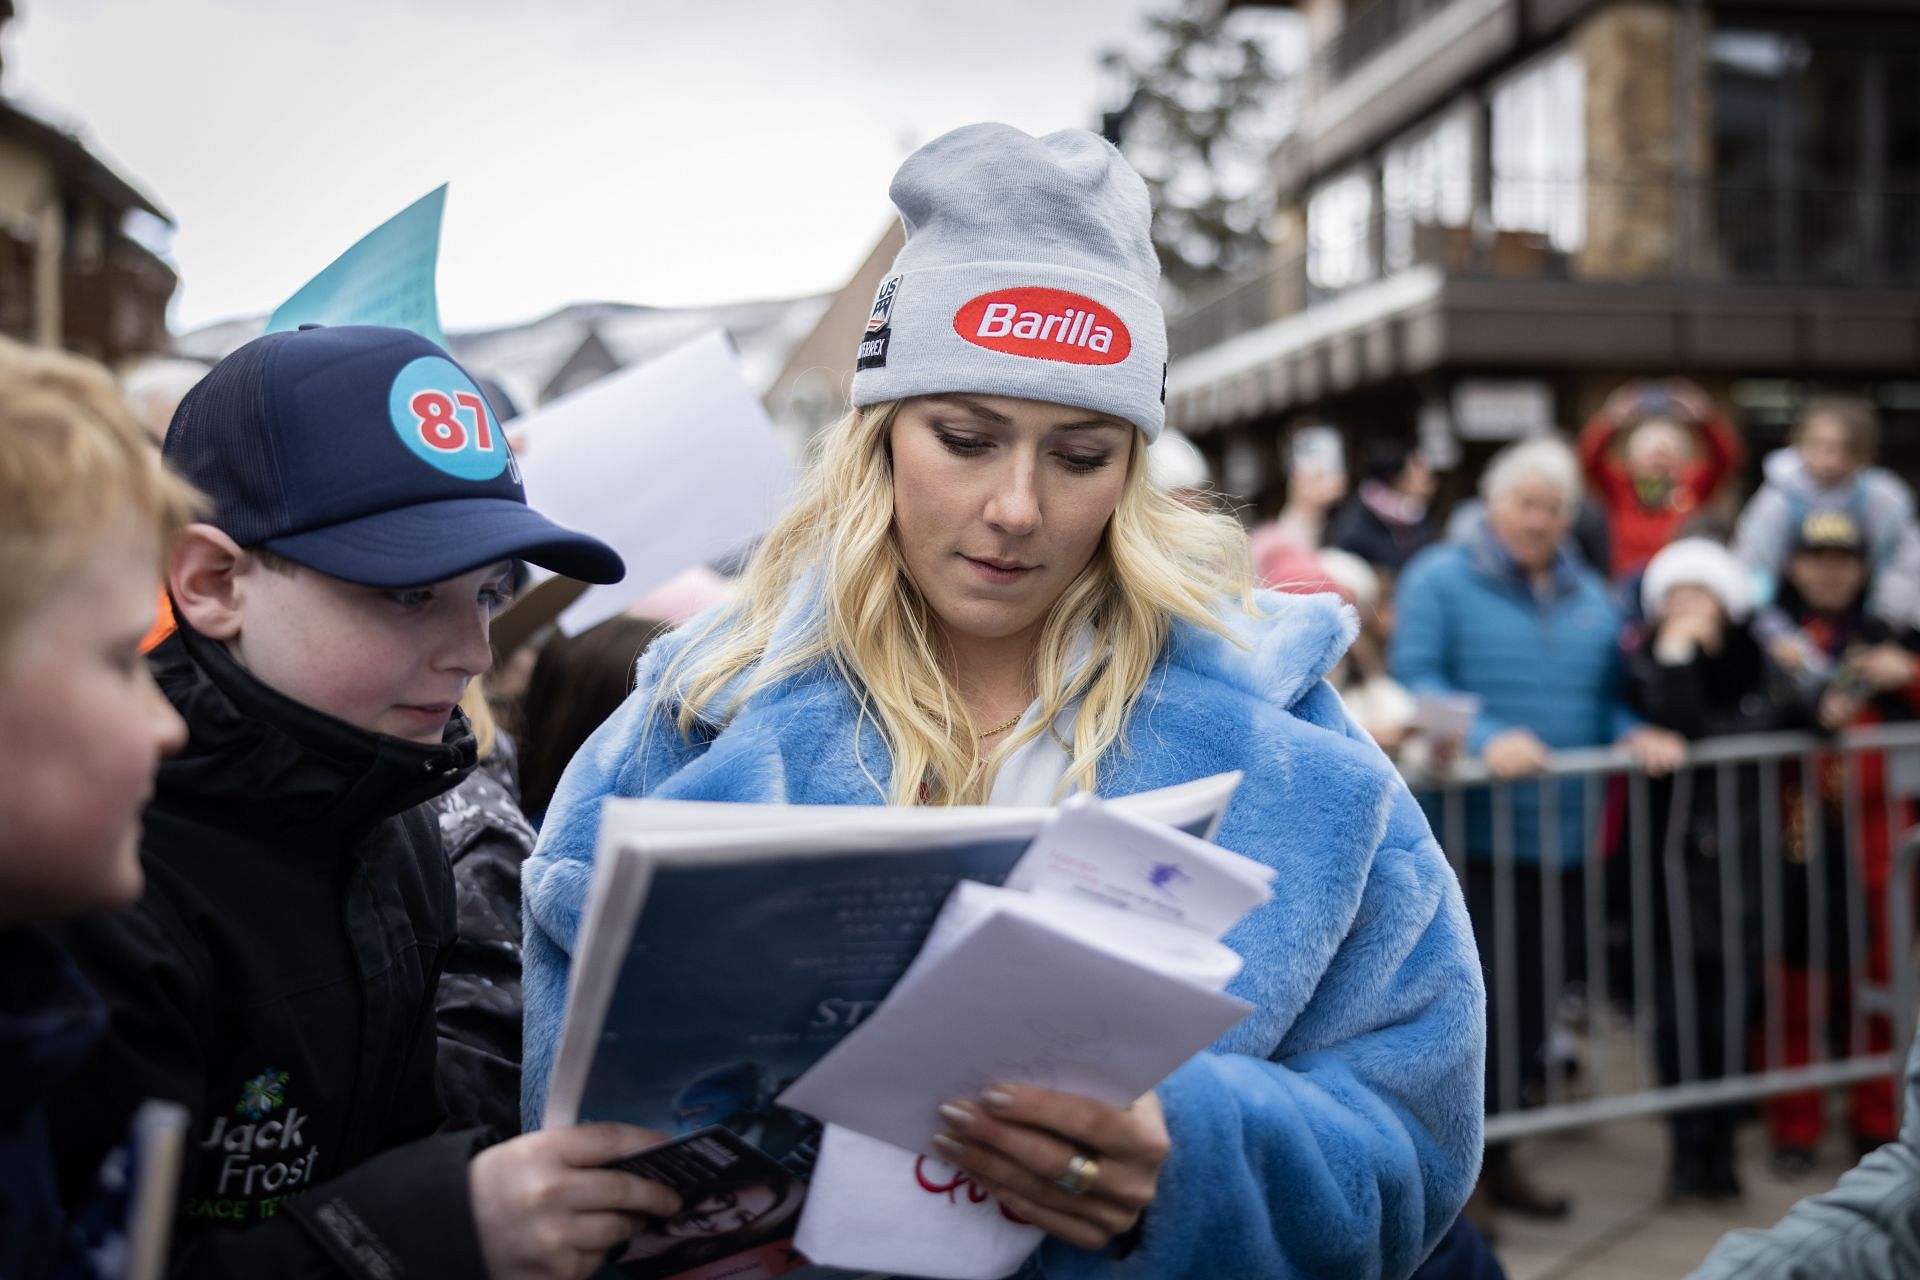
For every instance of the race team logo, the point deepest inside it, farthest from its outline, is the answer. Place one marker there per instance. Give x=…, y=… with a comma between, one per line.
x=1044, y=324
x=261, y=1157
x=262, y=1094
x=441, y=416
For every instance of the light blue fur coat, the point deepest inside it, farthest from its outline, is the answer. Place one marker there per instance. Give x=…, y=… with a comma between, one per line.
x=1337, y=1130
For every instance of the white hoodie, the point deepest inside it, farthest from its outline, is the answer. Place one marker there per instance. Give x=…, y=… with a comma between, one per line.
x=1876, y=498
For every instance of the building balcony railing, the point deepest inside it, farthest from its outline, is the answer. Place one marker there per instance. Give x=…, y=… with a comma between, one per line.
x=1371, y=26
x=1600, y=233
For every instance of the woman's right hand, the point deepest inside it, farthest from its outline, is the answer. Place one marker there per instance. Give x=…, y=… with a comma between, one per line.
x=546, y=1207
x=1021, y=1143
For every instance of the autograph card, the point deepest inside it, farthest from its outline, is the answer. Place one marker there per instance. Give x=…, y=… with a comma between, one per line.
x=705, y=1162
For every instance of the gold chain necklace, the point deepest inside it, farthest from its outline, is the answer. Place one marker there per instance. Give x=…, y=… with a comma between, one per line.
x=1002, y=728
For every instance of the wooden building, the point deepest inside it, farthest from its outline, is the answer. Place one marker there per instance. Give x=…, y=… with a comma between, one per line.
x=1493, y=211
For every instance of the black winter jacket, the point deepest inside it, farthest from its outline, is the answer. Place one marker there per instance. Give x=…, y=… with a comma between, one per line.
x=486, y=838
x=1736, y=690
x=277, y=978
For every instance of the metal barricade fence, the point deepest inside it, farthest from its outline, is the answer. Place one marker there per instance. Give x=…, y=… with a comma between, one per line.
x=1752, y=914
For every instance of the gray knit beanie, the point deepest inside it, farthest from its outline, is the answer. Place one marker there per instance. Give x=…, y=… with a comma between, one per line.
x=1028, y=271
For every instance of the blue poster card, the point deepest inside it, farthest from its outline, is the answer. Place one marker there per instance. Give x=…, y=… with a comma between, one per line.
x=386, y=278
x=743, y=974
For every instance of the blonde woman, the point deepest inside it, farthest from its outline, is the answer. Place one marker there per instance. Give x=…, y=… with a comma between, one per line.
x=981, y=597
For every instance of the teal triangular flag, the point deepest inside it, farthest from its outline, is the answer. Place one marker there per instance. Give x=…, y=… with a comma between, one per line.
x=387, y=277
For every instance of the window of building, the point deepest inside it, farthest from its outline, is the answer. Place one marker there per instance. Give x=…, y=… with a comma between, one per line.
x=1816, y=152
x=1539, y=159
x=1340, y=231
x=1426, y=187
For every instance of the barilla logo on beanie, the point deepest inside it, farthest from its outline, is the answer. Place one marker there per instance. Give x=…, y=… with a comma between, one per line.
x=1044, y=324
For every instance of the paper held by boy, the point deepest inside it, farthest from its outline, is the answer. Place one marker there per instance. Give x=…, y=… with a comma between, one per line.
x=673, y=462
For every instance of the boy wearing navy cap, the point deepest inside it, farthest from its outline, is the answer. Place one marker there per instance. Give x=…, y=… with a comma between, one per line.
x=278, y=977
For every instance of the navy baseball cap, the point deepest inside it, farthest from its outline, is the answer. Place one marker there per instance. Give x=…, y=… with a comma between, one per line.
x=367, y=454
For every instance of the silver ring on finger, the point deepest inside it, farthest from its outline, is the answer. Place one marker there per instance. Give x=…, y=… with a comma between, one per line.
x=1082, y=1169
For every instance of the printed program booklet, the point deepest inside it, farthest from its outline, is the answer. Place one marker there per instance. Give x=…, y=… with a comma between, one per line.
x=727, y=948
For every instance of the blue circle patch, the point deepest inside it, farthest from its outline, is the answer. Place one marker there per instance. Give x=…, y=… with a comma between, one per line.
x=440, y=414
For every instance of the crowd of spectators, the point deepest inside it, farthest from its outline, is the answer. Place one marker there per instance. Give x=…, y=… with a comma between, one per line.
x=1616, y=591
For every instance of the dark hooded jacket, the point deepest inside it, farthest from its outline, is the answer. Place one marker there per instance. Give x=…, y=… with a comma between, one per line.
x=277, y=978
x=1734, y=690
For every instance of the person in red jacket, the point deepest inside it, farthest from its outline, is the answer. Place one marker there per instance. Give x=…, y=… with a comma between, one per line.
x=1655, y=454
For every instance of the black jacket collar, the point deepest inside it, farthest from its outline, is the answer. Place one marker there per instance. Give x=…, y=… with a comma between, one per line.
x=257, y=759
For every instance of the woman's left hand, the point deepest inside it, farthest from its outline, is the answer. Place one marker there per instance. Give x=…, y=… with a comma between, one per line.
x=1024, y=1146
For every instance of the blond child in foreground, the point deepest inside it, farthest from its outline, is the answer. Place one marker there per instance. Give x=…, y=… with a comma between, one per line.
x=85, y=513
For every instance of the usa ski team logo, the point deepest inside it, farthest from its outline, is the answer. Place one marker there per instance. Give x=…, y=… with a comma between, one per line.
x=873, y=343
x=1044, y=324
x=883, y=304
x=441, y=416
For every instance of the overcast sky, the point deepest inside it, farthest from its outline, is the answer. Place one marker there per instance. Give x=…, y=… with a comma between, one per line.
x=631, y=150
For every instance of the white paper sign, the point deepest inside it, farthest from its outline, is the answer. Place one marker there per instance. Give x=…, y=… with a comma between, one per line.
x=673, y=462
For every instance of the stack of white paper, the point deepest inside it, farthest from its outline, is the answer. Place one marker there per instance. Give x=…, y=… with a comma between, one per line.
x=728, y=949
x=1097, y=970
